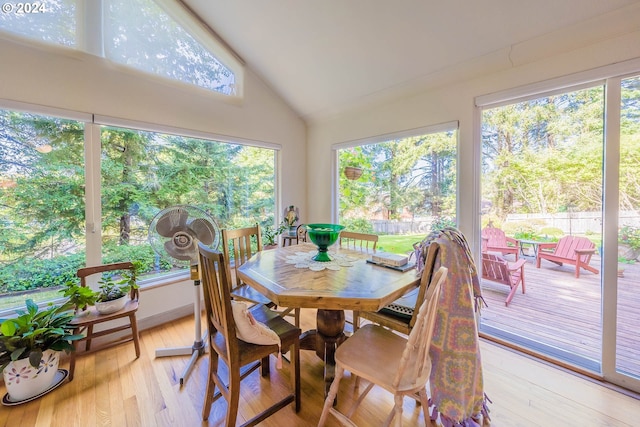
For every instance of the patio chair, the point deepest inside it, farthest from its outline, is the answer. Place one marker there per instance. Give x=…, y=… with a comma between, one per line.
x=570, y=250
x=497, y=269
x=494, y=240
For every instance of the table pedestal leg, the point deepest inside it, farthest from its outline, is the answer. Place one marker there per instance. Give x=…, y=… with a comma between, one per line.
x=325, y=340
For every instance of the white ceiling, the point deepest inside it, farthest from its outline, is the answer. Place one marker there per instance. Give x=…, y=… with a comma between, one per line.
x=323, y=56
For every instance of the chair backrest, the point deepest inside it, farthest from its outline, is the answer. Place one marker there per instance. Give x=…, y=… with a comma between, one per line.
x=567, y=246
x=415, y=365
x=215, y=276
x=85, y=272
x=301, y=232
x=495, y=268
x=236, y=245
x=425, y=279
x=492, y=236
x=359, y=241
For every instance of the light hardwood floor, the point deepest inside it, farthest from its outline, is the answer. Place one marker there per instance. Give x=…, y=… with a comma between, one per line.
x=111, y=388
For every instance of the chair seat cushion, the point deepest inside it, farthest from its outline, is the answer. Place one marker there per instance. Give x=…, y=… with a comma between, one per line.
x=403, y=307
x=250, y=330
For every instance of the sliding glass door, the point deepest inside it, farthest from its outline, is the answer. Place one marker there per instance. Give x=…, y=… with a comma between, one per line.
x=562, y=167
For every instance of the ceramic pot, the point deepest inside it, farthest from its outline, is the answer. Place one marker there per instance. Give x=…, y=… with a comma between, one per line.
x=23, y=381
x=108, y=307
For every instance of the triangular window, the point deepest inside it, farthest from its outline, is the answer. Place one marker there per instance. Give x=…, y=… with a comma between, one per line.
x=140, y=34
x=155, y=36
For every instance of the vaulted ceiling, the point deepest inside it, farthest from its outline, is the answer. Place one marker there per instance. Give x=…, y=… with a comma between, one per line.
x=327, y=56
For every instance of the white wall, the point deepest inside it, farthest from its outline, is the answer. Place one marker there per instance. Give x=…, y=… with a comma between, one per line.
x=85, y=83
x=609, y=40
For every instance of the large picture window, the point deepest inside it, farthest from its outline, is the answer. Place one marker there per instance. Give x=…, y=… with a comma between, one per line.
x=44, y=191
x=399, y=188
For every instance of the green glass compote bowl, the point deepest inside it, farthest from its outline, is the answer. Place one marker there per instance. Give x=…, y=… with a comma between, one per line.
x=323, y=236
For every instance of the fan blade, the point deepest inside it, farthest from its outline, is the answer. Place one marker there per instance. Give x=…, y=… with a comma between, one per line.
x=203, y=230
x=179, y=253
x=171, y=222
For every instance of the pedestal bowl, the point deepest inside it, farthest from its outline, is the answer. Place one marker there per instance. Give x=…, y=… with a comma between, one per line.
x=323, y=236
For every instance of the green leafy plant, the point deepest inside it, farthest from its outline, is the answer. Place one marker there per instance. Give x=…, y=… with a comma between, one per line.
x=270, y=234
x=80, y=296
x=35, y=330
x=630, y=235
x=111, y=289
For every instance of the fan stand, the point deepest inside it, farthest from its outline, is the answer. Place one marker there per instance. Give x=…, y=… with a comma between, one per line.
x=198, y=347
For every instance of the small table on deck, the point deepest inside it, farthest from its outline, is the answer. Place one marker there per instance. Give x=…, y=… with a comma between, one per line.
x=533, y=243
x=361, y=287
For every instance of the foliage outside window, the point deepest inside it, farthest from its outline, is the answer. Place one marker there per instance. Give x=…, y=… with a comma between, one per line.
x=406, y=185
x=42, y=196
x=41, y=204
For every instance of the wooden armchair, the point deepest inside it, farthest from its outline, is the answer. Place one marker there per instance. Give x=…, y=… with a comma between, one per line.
x=85, y=324
x=236, y=244
x=399, y=365
x=494, y=240
x=497, y=269
x=235, y=353
x=570, y=250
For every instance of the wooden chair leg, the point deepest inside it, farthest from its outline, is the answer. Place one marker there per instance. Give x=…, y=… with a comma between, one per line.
x=135, y=334
x=211, y=386
x=295, y=374
x=333, y=392
x=234, y=397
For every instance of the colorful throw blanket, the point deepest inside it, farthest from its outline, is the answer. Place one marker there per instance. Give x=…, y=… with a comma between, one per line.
x=457, y=394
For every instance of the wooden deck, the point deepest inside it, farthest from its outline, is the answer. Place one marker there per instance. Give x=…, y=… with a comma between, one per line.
x=561, y=315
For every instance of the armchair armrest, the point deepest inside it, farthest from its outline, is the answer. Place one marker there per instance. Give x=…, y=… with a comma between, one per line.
x=513, y=266
x=515, y=242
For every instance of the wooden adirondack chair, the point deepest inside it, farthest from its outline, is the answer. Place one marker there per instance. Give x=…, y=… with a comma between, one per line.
x=498, y=269
x=570, y=250
x=494, y=240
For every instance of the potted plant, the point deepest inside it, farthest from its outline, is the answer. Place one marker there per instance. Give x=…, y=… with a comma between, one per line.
x=80, y=296
x=113, y=294
x=270, y=235
x=30, y=346
x=629, y=242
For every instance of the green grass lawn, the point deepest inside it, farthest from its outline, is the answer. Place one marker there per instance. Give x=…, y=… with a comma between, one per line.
x=398, y=244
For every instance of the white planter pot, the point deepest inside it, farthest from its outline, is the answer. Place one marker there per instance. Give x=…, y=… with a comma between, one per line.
x=112, y=306
x=23, y=381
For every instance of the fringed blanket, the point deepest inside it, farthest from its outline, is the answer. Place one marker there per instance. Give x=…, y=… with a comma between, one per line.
x=457, y=394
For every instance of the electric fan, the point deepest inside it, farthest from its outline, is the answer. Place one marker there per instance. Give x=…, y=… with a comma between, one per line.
x=174, y=234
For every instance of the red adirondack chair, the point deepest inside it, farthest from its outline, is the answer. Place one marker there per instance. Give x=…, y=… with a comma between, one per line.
x=494, y=240
x=570, y=250
x=498, y=269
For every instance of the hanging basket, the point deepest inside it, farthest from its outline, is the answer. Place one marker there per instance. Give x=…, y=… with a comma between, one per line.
x=352, y=172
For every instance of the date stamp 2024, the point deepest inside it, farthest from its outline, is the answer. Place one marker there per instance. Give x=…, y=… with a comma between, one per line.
x=24, y=8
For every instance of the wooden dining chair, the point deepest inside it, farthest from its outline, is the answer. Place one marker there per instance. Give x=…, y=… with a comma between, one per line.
x=236, y=353
x=401, y=315
x=85, y=324
x=237, y=244
x=358, y=241
x=399, y=365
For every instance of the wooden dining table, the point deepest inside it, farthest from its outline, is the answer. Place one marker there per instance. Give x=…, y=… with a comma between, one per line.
x=362, y=286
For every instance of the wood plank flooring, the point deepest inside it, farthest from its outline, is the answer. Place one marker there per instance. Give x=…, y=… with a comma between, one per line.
x=112, y=388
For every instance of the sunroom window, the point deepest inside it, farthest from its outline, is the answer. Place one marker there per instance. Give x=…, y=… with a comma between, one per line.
x=158, y=37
